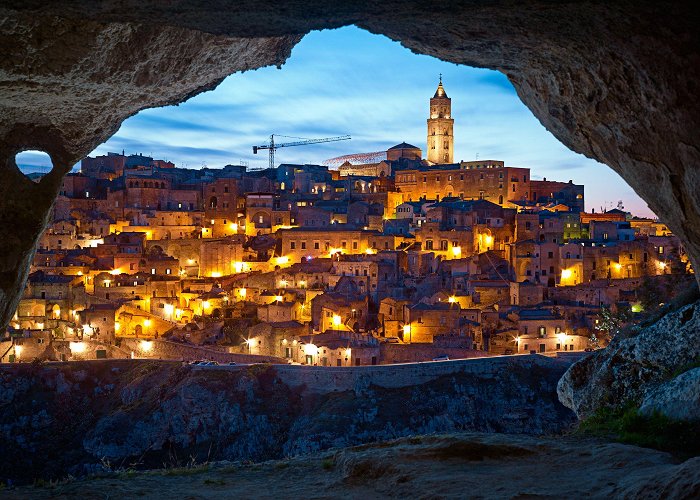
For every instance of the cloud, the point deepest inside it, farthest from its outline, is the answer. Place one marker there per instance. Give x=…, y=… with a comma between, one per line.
x=33, y=159
x=348, y=81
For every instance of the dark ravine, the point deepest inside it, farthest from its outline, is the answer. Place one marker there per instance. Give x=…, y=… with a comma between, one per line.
x=89, y=417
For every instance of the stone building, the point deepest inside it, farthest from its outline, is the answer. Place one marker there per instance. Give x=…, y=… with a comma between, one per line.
x=544, y=330
x=440, y=128
x=478, y=180
x=423, y=322
x=304, y=243
x=223, y=256
x=224, y=207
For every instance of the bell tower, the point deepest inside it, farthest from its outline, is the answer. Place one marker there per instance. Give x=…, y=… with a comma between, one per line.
x=440, y=127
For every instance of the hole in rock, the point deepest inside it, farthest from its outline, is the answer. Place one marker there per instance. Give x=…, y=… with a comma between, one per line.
x=33, y=163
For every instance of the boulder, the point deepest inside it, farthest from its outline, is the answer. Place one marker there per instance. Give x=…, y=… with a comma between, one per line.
x=678, y=399
x=630, y=369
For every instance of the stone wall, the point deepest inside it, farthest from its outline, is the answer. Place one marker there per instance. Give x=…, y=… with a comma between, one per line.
x=76, y=350
x=409, y=353
x=163, y=349
x=323, y=380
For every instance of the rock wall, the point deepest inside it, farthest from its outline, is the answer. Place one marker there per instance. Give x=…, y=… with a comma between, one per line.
x=409, y=353
x=614, y=81
x=647, y=370
x=323, y=380
x=74, y=418
x=163, y=349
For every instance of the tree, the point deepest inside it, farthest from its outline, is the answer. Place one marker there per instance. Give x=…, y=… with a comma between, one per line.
x=609, y=324
x=650, y=293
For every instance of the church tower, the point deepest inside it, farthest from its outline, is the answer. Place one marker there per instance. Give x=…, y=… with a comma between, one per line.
x=440, y=126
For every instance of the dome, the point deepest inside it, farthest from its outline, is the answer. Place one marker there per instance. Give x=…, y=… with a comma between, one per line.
x=403, y=145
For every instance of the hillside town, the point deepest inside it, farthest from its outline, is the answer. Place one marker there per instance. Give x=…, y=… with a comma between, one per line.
x=411, y=256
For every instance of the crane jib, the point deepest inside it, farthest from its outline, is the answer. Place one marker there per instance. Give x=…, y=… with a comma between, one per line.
x=273, y=146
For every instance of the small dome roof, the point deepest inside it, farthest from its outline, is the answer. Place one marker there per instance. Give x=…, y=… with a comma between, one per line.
x=403, y=145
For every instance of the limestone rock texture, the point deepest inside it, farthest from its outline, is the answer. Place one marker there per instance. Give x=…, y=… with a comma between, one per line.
x=640, y=370
x=678, y=398
x=615, y=81
x=454, y=465
x=84, y=418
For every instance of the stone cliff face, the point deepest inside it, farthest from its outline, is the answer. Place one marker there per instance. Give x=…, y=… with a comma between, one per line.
x=616, y=82
x=76, y=419
x=650, y=370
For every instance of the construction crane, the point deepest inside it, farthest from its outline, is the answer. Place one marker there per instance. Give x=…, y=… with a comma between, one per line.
x=273, y=145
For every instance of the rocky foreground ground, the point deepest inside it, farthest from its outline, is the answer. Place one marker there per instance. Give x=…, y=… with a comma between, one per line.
x=438, y=466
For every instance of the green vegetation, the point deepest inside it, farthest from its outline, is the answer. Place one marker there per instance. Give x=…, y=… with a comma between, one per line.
x=683, y=290
x=657, y=297
x=611, y=324
x=657, y=431
x=328, y=464
x=189, y=470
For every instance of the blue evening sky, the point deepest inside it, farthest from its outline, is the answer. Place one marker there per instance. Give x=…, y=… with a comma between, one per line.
x=348, y=81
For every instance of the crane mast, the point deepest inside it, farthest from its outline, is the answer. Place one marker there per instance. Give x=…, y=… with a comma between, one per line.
x=272, y=146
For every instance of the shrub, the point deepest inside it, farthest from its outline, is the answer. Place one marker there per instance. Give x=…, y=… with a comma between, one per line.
x=656, y=431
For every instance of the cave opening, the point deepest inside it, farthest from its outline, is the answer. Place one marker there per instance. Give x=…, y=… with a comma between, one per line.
x=621, y=101
x=617, y=84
